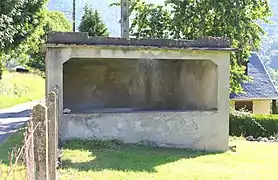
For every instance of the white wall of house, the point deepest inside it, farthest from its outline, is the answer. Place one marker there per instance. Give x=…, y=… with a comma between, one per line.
x=262, y=107
x=259, y=106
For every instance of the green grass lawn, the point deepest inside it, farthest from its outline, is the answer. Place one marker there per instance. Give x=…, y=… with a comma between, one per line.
x=16, y=88
x=112, y=160
x=84, y=160
x=14, y=142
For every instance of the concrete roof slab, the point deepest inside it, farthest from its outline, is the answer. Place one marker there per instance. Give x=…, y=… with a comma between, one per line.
x=80, y=38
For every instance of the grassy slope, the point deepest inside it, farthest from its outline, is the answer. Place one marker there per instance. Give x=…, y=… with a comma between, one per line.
x=98, y=160
x=16, y=88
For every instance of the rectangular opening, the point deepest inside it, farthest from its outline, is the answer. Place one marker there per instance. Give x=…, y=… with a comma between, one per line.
x=124, y=85
x=244, y=105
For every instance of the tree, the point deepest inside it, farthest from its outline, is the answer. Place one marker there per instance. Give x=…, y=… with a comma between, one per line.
x=18, y=20
x=91, y=22
x=192, y=19
x=29, y=52
x=55, y=21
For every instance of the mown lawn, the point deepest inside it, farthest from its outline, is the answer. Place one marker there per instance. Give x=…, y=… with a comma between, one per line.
x=112, y=160
x=16, y=88
x=84, y=160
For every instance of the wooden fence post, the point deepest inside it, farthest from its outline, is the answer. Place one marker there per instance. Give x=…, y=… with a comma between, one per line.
x=29, y=150
x=52, y=134
x=39, y=117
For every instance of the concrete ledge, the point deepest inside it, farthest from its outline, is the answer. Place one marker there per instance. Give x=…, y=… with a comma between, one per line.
x=164, y=129
x=79, y=38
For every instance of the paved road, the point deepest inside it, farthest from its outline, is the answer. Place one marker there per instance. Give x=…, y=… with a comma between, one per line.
x=13, y=118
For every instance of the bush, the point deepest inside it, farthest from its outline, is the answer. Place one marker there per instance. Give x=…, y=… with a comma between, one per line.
x=247, y=124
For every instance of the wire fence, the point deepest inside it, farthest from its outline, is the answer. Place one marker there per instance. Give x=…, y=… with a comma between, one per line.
x=37, y=158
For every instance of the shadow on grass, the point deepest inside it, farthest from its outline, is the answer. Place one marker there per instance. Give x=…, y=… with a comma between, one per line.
x=114, y=155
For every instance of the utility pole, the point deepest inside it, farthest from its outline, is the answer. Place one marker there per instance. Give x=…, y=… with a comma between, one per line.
x=73, y=14
x=124, y=19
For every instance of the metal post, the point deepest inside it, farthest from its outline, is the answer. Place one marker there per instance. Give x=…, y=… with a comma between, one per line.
x=73, y=14
x=124, y=19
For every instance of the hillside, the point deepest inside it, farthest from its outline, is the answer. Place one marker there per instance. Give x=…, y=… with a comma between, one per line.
x=272, y=29
x=16, y=88
x=269, y=47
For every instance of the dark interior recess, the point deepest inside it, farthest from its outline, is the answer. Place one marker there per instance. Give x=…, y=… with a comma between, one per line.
x=244, y=105
x=124, y=85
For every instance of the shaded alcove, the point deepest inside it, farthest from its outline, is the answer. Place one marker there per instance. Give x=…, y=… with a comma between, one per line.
x=124, y=85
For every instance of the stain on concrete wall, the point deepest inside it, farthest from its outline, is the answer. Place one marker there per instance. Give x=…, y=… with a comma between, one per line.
x=144, y=84
x=164, y=129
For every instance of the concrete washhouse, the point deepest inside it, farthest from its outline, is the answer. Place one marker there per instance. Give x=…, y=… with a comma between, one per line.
x=171, y=93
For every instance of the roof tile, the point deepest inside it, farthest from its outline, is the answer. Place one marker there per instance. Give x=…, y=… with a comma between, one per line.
x=261, y=86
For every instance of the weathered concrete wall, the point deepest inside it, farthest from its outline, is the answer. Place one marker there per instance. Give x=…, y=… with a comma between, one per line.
x=193, y=129
x=91, y=84
x=172, y=128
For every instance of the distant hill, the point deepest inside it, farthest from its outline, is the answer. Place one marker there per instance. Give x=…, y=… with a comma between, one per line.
x=272, y=29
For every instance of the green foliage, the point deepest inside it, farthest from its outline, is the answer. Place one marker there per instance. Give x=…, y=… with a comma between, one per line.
x=246, y=124
x=18, y=20
x=91, y=22
x=30, y=51
x=55, y=21
x=192, y=19
x=151, y=21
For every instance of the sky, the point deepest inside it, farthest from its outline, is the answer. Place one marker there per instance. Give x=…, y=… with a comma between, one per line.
x=110, y=15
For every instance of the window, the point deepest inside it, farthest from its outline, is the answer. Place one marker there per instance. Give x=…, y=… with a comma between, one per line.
x=246, y=105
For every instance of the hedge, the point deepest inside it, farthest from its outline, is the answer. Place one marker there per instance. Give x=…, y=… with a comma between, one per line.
x=247, y=124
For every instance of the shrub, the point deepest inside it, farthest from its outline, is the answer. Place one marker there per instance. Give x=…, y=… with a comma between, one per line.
x=247, y=124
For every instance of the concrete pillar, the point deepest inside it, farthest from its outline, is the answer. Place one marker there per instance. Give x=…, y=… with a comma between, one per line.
x=54, y=73
x=223, y=63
